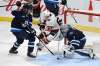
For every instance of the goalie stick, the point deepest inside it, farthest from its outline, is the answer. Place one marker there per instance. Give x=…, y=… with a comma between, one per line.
x=58, y=56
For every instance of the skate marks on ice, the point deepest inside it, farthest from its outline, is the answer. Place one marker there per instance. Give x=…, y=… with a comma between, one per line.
x=49, y=60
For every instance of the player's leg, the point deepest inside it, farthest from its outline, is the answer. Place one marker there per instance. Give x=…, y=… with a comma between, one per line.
x=72, y=46
x=30, y=49
x=86, y=52
x=80, y=49
x=19, y=40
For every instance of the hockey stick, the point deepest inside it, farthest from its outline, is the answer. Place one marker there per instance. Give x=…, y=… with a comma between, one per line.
x=32, y=30
x=40, y=41
x=45, y=46
x=9, y=5
x=12, y=4
x=58, y=57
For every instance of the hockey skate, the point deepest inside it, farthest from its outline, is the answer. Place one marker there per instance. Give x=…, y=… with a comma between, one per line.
x=91, y=54
x=13, y=50
x=31, y=55
x=39, y=46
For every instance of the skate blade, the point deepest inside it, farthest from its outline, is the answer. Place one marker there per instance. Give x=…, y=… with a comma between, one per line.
x=12, y=54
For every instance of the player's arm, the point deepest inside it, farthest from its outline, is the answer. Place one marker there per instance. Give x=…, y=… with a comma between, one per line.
x=17, y=14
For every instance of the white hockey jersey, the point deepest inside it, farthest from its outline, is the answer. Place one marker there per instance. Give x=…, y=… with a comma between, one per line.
x=51, y=22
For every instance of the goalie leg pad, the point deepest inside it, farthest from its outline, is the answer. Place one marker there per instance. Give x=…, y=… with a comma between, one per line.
x=86, y=52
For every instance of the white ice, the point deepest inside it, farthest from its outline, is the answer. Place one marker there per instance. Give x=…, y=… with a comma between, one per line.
x=44, y=58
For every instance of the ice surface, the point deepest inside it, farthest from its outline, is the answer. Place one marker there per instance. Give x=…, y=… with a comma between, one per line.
x=44, y=58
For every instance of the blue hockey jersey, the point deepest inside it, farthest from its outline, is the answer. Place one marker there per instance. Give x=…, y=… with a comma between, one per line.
x=19, y=19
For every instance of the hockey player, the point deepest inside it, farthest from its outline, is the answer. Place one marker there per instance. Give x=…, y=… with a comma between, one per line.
x=74, y=39
x=49, y=28
x=21, y=28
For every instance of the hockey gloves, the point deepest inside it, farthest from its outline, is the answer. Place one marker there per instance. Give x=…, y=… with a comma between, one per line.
x=18, y=3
